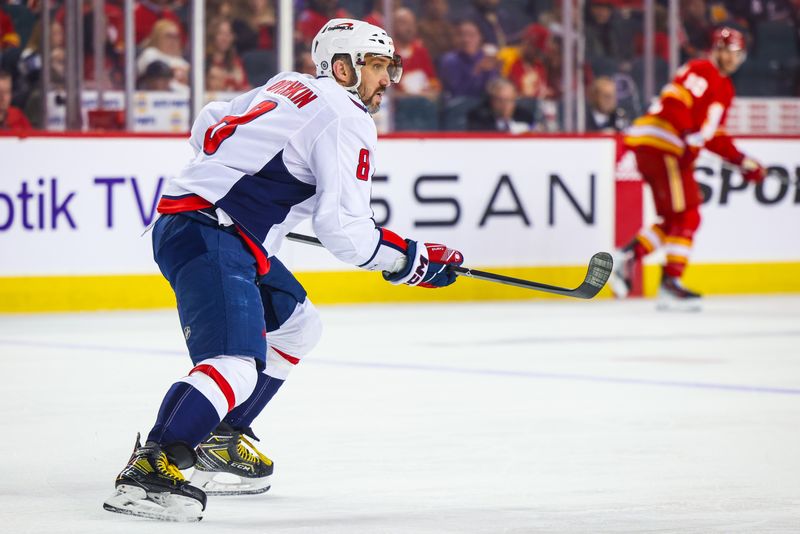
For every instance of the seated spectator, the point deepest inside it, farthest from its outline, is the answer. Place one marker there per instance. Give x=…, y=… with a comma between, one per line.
x=112, y=75
x=500, y=113
x=9, y=38
x=466, y=70
x=697, y=27
x=164, y=45
x=314, y=17
x=660, y=38
x=254, y=25
x=156, y=77
x=219, y=8
x=374, y=14
x=33, y=105
x=529, y=72
x=419, y=77
x=751, y=12
x=29, y=65
x=602, y=35
x=147, y=12
x=497, y=26
x=304, y=63
x=216, y=79
x=602, y=113
x=221, y=52
x=11, y=117
x=435, y=29
x=115, y=19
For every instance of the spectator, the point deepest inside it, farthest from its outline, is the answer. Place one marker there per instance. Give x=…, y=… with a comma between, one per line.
x=11, y=117
x=254, y=25
x=751, y=12
x=58, y=66
x=602, y=36
x=164, y=45
x=9, y=38
x=219, y=8
x=529, y=72
x=602, y=113
x=466, y=70
x=148, y=12
x=500, y=112
x=29, y=65
x=497, y=26
x=304, y=63
x=419, y=77
x=314, y=17
x=697, y=27
x=216, y=79
x=660, y=38
x=435, y=29
x=112, y=74
x=157, y=76
x=221, y=52
x=375, y=12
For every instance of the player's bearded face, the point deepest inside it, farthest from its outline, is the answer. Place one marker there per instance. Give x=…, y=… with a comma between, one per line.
x=374, y=81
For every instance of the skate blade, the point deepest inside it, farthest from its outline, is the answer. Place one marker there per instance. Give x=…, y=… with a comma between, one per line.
x=133, y=500
x=222, y=484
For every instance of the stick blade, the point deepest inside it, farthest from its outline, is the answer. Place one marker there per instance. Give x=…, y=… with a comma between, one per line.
x=597, y=275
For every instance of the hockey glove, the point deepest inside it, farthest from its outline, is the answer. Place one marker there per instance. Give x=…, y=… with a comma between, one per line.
x=427, y=265
x=752, y=170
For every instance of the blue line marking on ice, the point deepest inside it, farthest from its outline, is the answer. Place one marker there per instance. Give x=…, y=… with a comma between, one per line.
x=537, y=375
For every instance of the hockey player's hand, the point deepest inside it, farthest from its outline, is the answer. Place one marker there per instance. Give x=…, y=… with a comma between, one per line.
x=427, y=265
x=752, y=170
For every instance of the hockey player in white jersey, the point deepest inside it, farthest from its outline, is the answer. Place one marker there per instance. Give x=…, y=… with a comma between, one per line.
x=298, y=147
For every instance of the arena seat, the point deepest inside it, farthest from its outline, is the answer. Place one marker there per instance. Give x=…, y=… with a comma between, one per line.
x=415, y=113
x=259, y=65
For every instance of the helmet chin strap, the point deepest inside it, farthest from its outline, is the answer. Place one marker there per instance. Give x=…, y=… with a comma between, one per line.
x=354, y=88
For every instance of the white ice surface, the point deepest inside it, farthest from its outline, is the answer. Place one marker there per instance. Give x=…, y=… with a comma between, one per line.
x=557, y=416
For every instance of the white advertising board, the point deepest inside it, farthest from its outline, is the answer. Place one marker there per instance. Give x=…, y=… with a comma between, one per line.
x=80, y=205
x=742, y=222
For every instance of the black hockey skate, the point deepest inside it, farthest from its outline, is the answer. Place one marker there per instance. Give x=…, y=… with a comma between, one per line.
x=152, y=486
x=673, y=296
x=229, y=464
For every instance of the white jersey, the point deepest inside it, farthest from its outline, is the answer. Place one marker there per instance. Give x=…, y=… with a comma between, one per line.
x=294, y=148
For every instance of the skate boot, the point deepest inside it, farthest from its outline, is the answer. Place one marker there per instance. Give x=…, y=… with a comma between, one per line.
x=229, y=464
x=152, y=486
x=673, y=296
x=621, y=278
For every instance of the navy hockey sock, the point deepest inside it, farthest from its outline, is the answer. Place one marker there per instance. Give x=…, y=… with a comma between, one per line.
x=186, y=415
x=243, y=415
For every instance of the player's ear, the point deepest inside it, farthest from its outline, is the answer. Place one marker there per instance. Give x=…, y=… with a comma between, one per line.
x=342, y=71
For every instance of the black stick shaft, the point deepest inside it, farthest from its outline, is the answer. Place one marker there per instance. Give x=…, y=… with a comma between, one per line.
x=596, y=277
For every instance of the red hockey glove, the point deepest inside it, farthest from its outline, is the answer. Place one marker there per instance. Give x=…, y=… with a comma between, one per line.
x=427, y=266
x=752, y=170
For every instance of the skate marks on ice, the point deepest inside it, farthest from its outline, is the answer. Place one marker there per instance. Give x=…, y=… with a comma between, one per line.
x=425, y=438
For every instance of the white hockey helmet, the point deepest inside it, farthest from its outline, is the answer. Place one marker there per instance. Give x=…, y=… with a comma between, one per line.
x=355, y=38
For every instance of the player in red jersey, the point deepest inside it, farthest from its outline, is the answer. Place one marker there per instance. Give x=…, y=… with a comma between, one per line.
x=689, y=115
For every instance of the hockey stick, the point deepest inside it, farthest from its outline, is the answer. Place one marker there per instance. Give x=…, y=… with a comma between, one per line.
x=596, y=275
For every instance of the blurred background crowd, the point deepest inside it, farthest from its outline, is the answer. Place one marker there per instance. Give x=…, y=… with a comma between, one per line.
x=483, y=65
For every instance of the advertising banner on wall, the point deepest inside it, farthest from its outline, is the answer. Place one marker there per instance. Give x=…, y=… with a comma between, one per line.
x=750, y=222
x=79, y=206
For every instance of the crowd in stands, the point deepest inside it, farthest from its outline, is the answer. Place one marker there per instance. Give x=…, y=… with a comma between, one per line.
x=468, y=64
